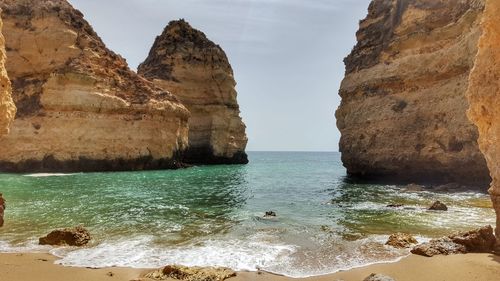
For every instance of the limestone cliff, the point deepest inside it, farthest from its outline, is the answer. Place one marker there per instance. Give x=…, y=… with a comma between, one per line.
x=403, y=111
x=7, y=108
x=484, y=97
x=80, y=108
x=183, y=61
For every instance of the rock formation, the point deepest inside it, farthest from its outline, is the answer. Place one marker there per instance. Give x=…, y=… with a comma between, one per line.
x=7, y=108
x=2, y=209
x=183, y=61
x=480, y=240
x=378, y=277
x=77, y=236
x=80, y=108
x=401, y=240
x=438, y=206
x=484, y=98
x=185, y=273
x=403, y=111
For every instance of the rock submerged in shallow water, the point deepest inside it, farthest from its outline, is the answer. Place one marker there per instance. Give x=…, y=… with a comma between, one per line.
x=77, y=236
x=378, y=277
x=270, y=214
x=191, y=273
x=394, y=205
x=438, y=206
x=414, y=188
x=2, y=209
x=479, y=240
x=448, y=187
x=401, y=240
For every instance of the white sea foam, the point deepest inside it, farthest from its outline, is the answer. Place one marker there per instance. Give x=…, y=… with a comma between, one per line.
x=30, y=246
x=44, y=175
x=140, y=252
x=242, y=255
x=248, y=255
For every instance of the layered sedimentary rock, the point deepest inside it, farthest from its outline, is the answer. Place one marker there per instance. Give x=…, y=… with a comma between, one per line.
x=80, y=107
x=403, y=111
x=7, y=108
x=184, y=61
x=484, y=97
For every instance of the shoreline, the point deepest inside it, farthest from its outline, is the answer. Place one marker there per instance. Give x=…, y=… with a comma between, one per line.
x=465, y=267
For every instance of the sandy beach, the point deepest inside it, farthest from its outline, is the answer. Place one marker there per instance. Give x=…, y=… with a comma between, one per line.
x=484, y=267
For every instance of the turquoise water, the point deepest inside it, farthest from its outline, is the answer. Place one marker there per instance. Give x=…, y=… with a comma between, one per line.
x=214, y=215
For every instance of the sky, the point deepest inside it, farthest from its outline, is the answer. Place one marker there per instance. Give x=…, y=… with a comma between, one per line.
x=287, y=56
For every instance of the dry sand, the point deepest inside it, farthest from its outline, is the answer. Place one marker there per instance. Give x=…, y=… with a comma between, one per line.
x=470, y=267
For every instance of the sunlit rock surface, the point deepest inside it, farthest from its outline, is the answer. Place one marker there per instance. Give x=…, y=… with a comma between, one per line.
x=196, y=70
x=403, y=111
x=7, y=108
x=80, y=107
x=484, y=97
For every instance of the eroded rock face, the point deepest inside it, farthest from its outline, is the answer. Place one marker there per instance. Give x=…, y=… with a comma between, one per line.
x=80, y=107
x=184, y=61
x=484, y=98
x=7, y=108
x=403, y=111
x=77, y=236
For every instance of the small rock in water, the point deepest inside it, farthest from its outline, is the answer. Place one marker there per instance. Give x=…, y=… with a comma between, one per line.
x=378, y=277
x=2, y=209
x=192, y=273
x=401, y=240
x=270, y=214
x=438, y=206
x=448, y=187
x=394, y=205
x=481, y=240
x=77, y=236
x=414, y=188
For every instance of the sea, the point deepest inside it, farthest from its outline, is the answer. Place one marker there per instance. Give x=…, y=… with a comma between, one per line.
x=214, y=215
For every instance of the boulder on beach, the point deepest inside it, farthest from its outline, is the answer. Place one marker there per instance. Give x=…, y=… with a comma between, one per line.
x=77, y=236
x=441, y=246
x=178, y=272
x=2, y=209
x=378, y=277
x=479, y=240
x=401, y=240
x=438, y=206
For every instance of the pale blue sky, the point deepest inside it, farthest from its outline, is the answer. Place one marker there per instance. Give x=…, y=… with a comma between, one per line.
x=286, y=54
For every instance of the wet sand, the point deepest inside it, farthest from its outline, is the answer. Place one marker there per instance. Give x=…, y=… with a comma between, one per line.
x=484, y=267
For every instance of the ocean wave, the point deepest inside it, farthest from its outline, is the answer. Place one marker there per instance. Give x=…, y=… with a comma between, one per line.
x=31, y=246
x=141, y=252
x=44, y=175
